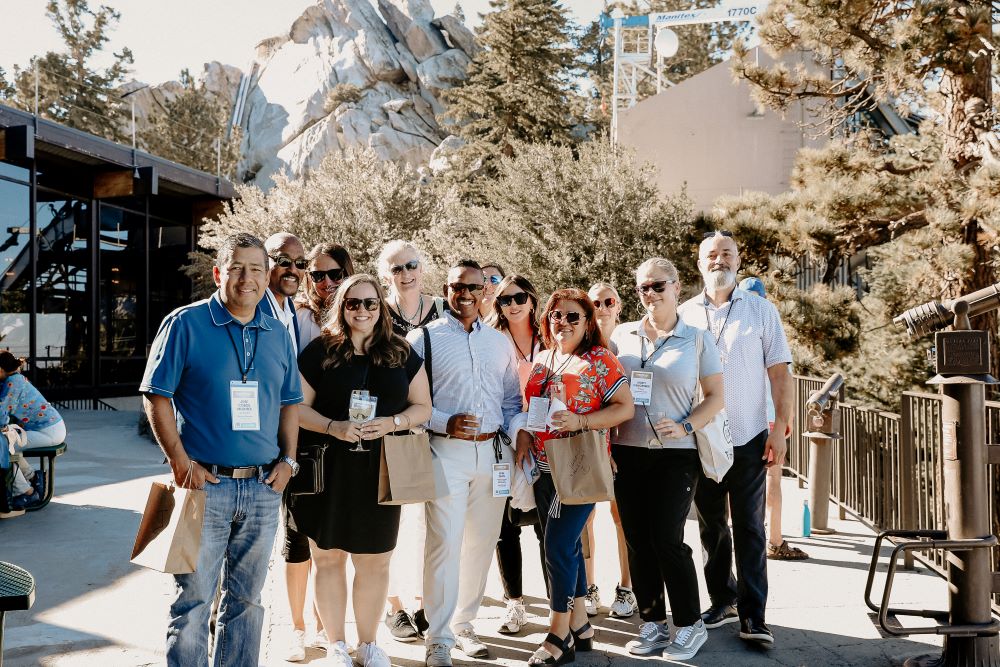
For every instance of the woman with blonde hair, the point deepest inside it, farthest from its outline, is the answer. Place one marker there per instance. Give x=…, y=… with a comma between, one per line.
x=401, y=268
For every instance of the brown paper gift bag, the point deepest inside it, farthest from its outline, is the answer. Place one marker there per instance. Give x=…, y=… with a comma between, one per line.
x=581, y=468
x=169, y=536
x=406, y=470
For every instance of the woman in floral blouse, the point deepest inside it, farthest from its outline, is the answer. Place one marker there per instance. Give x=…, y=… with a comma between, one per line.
x=579, y=370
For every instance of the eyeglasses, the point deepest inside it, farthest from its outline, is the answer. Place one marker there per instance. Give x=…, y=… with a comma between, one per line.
x=332, y=274
x=495, y=279
x=412, y=265
x=720, y=232
x=657, y=287
x=458, y=288
x=371, y=304
x=572, y=317
x=520, y=299
x=285, y=262
x=608, y=303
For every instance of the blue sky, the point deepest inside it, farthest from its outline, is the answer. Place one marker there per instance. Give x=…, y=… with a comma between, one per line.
x=166, y=36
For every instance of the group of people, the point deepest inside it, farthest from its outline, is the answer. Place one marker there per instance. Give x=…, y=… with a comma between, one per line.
x=236, y=384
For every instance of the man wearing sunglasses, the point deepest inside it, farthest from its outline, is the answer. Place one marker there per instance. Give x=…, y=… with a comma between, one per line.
x=288, y=265
x=475, y=391
x=754, y=350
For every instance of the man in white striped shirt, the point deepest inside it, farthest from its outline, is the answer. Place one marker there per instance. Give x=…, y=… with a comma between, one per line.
x=476, y=392
x=753, y=348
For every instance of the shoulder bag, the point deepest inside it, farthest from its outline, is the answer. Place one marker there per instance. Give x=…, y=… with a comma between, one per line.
x=714, y=441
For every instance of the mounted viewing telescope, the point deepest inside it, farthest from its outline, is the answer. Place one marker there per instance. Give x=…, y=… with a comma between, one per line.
x=934, y=316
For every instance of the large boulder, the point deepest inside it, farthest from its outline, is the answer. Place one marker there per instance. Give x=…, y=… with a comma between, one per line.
x=457, y=35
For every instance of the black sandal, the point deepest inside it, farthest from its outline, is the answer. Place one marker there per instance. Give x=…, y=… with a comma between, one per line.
x=568, y=652
x=583, y=644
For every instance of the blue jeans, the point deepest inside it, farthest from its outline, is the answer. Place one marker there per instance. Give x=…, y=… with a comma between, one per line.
x=241, y=519
x=563, y=547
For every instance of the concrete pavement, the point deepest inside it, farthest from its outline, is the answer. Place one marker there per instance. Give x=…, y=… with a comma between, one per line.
x=94, y=608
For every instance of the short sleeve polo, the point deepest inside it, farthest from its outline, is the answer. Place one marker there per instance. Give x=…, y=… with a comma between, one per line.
x=197, y=352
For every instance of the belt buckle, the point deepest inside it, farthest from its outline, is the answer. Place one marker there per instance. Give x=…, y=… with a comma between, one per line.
x=248, y=472
x=653, y=443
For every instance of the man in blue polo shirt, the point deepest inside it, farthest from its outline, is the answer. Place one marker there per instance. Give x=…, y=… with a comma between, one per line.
x=230, y=372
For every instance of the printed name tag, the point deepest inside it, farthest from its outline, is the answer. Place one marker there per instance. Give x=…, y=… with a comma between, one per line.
x=244, y=404
x=642, y=387
x=362, y=409
x=501, y=480
x=538, y=412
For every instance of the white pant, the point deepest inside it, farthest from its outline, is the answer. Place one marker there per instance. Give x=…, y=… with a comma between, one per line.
x=406, y=572
x=43, y=437
x=462, y=533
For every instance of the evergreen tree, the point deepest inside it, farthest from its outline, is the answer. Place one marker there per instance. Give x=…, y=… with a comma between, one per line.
x=595, y=61
x=71, y=89
x=519, y=86
x=188, y=126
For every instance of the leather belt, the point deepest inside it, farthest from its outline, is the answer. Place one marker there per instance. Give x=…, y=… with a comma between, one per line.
x=244, y=472
x=479, y=438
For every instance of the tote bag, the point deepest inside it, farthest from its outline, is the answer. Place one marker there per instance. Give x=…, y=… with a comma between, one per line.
x=169, y=535
x=407, y=471
x=714, y=441
x=581, y=468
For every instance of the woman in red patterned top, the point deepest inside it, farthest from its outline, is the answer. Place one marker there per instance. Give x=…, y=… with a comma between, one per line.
x=579, y=370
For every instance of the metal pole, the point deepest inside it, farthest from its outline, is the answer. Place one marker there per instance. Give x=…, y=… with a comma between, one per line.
x=218, y=157
x=614, y=89
x=820, y=463
x=36, y=86
x=133, y=127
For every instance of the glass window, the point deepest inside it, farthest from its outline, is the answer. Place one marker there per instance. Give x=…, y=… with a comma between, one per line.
x=169, y=287
x=15, y=231
x=13, y=171
x=63, y=291
x=122, y=280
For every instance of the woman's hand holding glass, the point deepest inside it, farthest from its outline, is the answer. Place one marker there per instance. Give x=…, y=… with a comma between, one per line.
x=377, y=428
x=668, y=428
x=347, y=431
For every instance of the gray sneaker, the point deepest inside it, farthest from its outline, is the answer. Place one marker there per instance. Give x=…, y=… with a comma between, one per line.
x=592, y=600
x=687, y=641
x=438, y=655
x=469, y=644
x=625, y=604
x=652, y=637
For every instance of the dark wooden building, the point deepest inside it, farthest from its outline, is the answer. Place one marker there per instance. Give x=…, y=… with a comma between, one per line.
x=93, y=238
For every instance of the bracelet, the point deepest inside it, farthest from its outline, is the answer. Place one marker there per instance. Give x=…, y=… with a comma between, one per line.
x=408, y=421
x=586, y=423
x=328, y=425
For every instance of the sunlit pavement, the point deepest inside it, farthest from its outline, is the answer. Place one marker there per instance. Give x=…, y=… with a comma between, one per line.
x=94, y=608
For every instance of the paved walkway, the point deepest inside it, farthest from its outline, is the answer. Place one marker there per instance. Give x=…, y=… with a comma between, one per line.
x=94, y=608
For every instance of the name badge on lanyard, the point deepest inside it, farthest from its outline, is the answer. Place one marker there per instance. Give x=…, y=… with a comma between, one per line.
x=501, y=480
x=642, y=387
x=244, y=405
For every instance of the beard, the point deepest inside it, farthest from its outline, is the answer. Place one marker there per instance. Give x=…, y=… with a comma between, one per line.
x=719, y=278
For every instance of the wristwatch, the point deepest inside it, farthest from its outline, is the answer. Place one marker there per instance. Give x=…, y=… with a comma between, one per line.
x=292, y=463
x=397, y=421
x=688, y=428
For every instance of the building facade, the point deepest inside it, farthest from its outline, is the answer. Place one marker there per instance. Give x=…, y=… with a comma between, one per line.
x=93, y=240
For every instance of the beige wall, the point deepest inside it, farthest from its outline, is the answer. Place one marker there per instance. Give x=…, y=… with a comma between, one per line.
x=707, y=132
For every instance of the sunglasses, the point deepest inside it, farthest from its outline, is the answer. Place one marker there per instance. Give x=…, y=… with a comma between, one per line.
x=657, y=287
x=371, y=304
x=607, y=303
x=332, y=274
x=708, y=235
x=572, y=317
x=520, y=299
x=458, y=288
x=412, y=265
x=285, y=262
x=496, y=279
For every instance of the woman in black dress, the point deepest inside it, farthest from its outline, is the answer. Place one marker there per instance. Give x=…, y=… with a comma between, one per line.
x=356, y=350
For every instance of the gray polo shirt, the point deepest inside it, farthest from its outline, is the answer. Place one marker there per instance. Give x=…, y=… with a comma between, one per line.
x=748, y=333
x=676, y=371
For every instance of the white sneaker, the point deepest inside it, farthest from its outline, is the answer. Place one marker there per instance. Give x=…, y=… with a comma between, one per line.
x=592, y=600
x=687, y=641
x=470, y=645
x=370, y=655
x=318, y=640
x=438, y=655
x=652, y=637
x=514, y=620
x=625, y=604
x=296, y=646
x=337, y=655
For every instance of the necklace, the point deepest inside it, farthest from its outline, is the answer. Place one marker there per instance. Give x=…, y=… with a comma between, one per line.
x=416, y=314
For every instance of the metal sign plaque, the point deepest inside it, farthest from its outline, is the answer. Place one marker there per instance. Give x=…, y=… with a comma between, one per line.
x=962, y=352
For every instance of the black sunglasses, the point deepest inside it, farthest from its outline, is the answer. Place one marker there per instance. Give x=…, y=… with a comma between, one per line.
x=657, y=287
x=409, y=266
x=520, y=299
x=458, y=288
x=607, y=303
x=371, y=304
x=332, y=274
x=285, y=262
x=571, y=317
x=708, y=235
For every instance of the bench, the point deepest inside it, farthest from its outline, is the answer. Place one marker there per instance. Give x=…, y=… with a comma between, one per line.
x=17, y=593
x=46, y=463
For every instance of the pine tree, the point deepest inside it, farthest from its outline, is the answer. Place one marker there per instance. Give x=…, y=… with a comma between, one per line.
x=519, y=86
x=595, y=60
x=71, y=89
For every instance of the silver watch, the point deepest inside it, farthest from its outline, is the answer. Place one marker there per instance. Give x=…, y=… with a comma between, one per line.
x=292, y=463
x=397, y=421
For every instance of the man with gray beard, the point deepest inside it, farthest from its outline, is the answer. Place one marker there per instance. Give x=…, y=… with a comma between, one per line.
x=753, y=349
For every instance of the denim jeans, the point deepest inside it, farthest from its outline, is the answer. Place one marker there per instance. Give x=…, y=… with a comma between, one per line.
x=563, y=545
x=241, y=520
x=742, y=493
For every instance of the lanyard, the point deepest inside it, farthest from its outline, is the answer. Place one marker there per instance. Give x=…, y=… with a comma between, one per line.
x=643, y=359
x=239, y=356
x=550, y=374
x=708, y=320
x=518, y=348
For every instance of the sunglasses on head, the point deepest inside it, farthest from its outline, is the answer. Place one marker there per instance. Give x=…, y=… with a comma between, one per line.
x=708, y=235
x=657, y=287
x=458, y=288
x=495, y=279
x=607, y=303
x=520, y=299
x=409, y=266
x=285, y=262
x=571, y=317
x=332, y=274
x=371, y=304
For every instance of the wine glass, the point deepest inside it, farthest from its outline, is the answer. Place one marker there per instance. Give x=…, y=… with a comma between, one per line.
x=361, y=410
